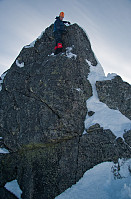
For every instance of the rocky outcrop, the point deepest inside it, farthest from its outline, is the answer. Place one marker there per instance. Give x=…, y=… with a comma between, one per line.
x=127, y=137
x=45, y=171
x=42, y=113
x=116, y=94
x=6, y=194
x=98, y=146
x=45, y=100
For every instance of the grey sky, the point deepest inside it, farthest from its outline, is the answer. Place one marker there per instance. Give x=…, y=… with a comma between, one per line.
x=107, y=23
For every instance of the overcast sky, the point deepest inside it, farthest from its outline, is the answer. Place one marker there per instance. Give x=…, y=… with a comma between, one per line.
x=107, y=23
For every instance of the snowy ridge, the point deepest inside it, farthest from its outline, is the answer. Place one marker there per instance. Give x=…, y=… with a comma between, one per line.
x=104, y=116
x=2, y=79
x=32, y=44
x=104, y=181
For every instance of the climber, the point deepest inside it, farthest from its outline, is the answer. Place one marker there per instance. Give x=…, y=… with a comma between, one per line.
x=59, y=30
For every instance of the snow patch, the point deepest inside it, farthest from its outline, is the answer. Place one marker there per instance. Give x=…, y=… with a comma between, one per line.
x=110, y=76
x=66, y=24
x=1, y=138
x=2, y=79
x=19, y=65
x=100, y=72
x=31, y=45
x=3, y=150
x=14, y=188
x=69, y=54
x=78, y=89
x=100, y=182
x=104, y=116
x=52, y=54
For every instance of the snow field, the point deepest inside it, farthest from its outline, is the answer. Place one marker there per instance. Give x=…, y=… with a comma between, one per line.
x=100, y=183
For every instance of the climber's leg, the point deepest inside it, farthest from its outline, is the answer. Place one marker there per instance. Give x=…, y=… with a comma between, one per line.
x=59, y=47
x=58, y=38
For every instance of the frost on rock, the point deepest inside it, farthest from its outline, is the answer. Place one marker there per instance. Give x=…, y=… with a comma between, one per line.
x=104, y=116
x=32, y=44
x=2, y=79
x=52, y=54
x=78, y=89
x=14, y=188
x=69, y=54
x=20, y=65
x=3, y=150
x=110, y=76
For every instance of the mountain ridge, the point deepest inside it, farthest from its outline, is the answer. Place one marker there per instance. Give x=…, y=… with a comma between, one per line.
x=44, y=102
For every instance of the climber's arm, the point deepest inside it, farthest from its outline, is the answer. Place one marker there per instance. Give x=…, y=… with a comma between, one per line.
x=57, y=25
x=66, y=22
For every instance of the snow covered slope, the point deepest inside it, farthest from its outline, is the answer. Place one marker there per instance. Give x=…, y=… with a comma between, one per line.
x=106, y=117
x=105, y=181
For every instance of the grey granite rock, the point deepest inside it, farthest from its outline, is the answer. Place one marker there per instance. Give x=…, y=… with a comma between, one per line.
x=127, y=137
x=45, y=100
x=46, y=170
x=116, y=94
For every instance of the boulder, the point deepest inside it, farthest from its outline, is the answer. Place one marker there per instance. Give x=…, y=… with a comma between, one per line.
x=45, y=99
x=116, y=94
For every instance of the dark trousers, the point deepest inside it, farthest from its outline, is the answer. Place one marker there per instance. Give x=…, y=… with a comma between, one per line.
x=58, y=37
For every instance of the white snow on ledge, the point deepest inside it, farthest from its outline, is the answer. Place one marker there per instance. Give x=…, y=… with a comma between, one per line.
x=2, y=79
x=69, y=54
x=110, y=76
x=31, y=45
x=3, y=150
x=104, y=116
x=14, y=188
x=100, y=72
x=19, y=65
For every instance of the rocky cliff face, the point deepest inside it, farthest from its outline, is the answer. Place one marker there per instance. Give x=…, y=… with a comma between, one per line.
x=41, y=101
x=116, y=94
x=42, y=112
